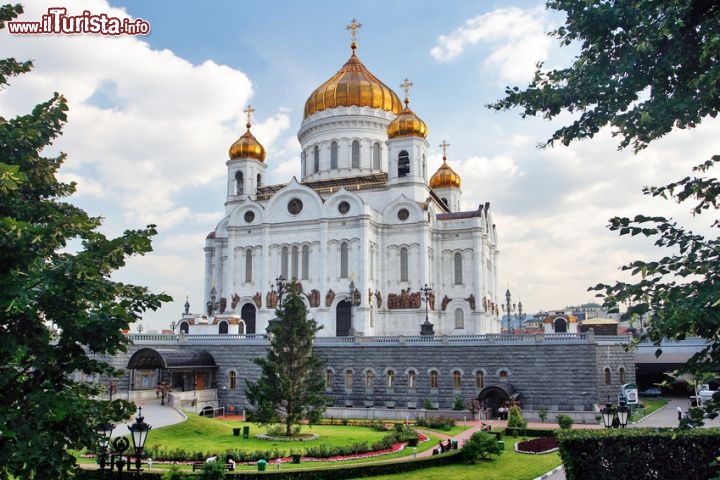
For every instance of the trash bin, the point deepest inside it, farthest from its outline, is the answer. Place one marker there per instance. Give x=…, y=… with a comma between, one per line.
x=455, y=444
x=501, y=445
x=246, y=432
x=236, y=432
x=262, y=465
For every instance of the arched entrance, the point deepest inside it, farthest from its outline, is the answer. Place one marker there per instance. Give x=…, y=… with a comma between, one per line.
x=185, y=369
x=248, y=315
x=560, y=325
x=342, y=319
x=493, y=397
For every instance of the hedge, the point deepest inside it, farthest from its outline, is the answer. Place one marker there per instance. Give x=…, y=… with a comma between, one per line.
x=337, y=473
x=640, y=453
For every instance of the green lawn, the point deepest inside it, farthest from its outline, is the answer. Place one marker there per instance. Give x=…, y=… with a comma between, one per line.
x=651, y=404
x=507, y=466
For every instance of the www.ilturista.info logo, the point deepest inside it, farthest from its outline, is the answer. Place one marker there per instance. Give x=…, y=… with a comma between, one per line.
x=58, y=22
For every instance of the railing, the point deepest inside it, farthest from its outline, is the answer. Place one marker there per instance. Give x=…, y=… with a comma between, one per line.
x=391, y=340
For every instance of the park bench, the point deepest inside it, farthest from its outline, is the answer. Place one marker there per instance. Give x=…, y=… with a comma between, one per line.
x=199, y=465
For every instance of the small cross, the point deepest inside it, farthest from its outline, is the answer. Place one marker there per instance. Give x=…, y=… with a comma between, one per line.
x=249, y=110
x=405, y=85
x=353, y=27
x=444, y=146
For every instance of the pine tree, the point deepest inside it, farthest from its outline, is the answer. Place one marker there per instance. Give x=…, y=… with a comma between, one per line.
x=289, y=388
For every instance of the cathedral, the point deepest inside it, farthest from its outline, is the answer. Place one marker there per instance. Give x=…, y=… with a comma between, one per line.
x=378, y=245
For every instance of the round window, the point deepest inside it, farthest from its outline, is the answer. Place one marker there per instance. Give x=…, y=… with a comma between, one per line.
x=343, y=207
x=249, y=216
x=295, y=206
x=403, y=214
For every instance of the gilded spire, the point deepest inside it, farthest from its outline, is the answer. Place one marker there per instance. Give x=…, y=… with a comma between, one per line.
x=247, y=145
x=249, y=111
x=444, y=146
x=353, y=27
x=405, y=85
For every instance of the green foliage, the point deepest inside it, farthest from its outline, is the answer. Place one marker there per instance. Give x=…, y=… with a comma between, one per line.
x=480, y=445
x=644, y=69
x=174, y=473
x=213, y=471
x=543, y=413
x=458, y=403
x=516, y=421
x=291, y=385
x=565, y=421
x=60, y=312
x=440, y=422
x=639, y=453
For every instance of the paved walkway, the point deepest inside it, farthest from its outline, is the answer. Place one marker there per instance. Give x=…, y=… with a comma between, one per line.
x=155, y=415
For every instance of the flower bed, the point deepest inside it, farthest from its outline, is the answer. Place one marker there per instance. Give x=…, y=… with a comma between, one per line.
x=537, y=445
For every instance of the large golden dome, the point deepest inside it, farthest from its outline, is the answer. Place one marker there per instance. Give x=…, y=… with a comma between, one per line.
x=353, y=85
x=445, y=177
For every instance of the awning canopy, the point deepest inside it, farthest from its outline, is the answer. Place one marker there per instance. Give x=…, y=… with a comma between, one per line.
x=502, y=390
x=147, y=358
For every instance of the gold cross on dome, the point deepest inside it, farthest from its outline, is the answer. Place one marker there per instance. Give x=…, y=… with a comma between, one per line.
x=353, y=27
x=405, y=85
x=249, y=111
x=444, y=146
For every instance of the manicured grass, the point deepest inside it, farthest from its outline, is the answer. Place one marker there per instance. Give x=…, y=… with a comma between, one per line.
x=507, y=466
x=216, y=436
x=651, y=404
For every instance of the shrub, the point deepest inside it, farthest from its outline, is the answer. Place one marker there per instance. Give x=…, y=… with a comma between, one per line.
x=480, y=446
x=516, y=423
x=174, y=473
x=440, y=422
x=565, y=421
x=213, y=471
x=458, y=403
x=543, y=413
x=538, y=445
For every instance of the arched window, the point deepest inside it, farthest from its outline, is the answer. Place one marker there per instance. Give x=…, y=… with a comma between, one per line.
x=479, y=380
x=621, y=374
x=457, y=380
x=334, y=155
x=390, y=379
x=295, y=262
x=403, y=264
x=305, y=262
x=376, y=156
x=248, y=265
x=223, y=328
x=316, y=159
x=607, y=376
x=344, y=260
x=403, y=164
x=259, y=181
x=459, y=318
x=355, y=154
x=284, y=262
x=348, y=380
x=184, y=327
x=503, y=374
x=458, y=268
x=232, y=380
x=369, y=380
x=434, y=376
x=328, y=379
x=412, y=379
x=239, y=182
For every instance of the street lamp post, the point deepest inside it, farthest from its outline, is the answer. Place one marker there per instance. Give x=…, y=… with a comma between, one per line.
x=615, y=417
x=520, y=317
x=104, y=431
x=426, y=328
x=173, y=326
x=138, y=433
x=508, y=308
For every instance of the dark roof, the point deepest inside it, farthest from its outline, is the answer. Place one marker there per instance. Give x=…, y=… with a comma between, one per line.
x=504, y=389
x=171, y=358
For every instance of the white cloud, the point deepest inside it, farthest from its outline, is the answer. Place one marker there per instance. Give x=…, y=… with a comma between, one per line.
x=517, y=38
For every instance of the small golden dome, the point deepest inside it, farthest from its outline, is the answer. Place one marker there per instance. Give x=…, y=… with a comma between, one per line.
x=407, y=124
x=353, y=85
x=247, y=146
x=445, y=177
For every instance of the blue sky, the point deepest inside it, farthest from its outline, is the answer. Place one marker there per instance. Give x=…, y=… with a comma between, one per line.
x=152, y=117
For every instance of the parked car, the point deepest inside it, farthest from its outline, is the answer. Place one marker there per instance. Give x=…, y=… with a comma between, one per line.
x=650, y=392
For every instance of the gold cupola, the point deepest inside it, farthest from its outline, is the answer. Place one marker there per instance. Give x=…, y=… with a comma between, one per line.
x=445, y=177
x=247, y=145
x=407, y=124
x=353, y=85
